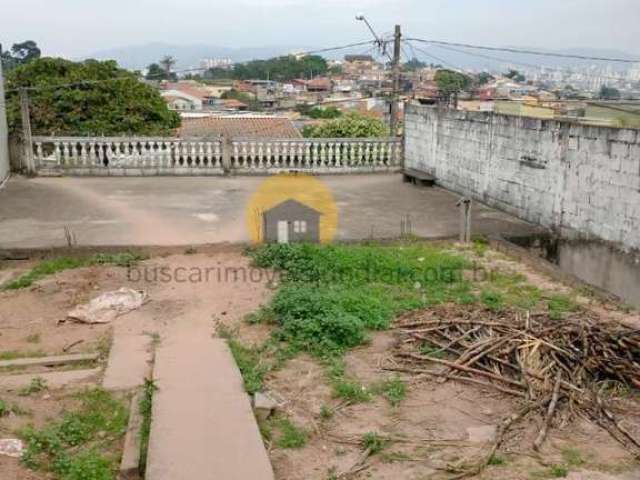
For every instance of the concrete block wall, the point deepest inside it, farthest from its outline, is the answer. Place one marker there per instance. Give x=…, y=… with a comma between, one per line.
x=4, y=140
x=581, y=180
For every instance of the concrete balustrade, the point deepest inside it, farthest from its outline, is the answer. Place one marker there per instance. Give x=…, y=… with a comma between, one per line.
x=193, y=156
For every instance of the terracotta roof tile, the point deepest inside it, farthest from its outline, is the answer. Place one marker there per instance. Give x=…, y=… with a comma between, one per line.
x=248, y=127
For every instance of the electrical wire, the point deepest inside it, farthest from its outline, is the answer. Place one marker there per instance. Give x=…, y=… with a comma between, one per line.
x=525, y=51
x=522, y=64
x=434, y=57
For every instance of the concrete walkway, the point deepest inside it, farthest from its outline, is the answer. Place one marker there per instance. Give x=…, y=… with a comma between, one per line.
x=202, y=425
x=197, y=210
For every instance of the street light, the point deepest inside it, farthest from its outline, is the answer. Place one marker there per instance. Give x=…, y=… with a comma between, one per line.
x=379, y=41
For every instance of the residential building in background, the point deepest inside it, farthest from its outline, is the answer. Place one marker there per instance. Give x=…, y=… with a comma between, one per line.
x=225, y=63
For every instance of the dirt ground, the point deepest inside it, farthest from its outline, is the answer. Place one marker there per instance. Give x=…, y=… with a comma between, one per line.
x=438, y=428
x=185, y=288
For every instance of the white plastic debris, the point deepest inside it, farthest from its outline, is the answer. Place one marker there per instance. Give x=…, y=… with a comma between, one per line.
x=108, y=306
x=11, y=447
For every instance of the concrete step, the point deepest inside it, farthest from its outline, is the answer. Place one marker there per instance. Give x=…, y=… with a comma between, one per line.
x=49, y=361
x=202, y=425
x=53, y=379
x=129, y=360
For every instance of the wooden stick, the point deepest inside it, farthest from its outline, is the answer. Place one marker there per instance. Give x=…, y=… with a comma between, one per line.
x=550, y=412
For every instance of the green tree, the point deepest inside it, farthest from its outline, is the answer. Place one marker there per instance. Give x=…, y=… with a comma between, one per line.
x=19, y=54
x=515, y=75
x=281, y=68
x=609, y=93
x=451, y=83
x=167, y=62
x=352, y=125
x=483, y=78
x=156, y=72
x=413, y=65
x=87, y=98
x=218, y=74
x=324, y=112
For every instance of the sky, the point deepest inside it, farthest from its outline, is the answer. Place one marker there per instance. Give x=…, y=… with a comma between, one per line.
x=76, y=28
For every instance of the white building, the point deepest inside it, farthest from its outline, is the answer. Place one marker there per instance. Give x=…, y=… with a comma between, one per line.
x=208, y=63
x=181, y=102
x=4, y=140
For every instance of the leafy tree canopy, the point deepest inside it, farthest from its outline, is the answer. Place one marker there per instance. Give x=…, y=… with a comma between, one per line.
x=483, y=78
x=414, y=64
x=20, y=54
x=450, y=82
x=351, y=125
x=102, y=100
x=609, y=93
x=324, y=112
x=156, y=72
x=281, y=68
x=515, y=75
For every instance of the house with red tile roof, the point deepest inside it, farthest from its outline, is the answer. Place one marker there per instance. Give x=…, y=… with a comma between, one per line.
x=239, y=126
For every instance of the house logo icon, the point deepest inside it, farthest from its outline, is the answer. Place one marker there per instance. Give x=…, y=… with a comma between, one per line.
x=291, y=221
x=290, y=208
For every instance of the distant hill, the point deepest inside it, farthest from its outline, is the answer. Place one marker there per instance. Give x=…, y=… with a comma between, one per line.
x=139, y=56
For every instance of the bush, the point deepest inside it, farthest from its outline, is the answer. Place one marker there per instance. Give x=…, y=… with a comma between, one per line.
x=351, y=125
x=331, y=295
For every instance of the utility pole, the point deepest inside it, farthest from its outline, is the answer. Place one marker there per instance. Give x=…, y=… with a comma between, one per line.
x=395, y=65
x=26, y=131
x=395, y=97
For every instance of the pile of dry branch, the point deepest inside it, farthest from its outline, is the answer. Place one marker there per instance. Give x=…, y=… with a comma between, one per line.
x=554, y=366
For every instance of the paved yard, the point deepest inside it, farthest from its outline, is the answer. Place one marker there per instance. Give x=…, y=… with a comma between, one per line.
x=197, y=210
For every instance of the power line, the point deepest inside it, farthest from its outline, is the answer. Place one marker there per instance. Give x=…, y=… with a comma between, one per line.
x=433, y=57
x=526, y=52
x=523, y=64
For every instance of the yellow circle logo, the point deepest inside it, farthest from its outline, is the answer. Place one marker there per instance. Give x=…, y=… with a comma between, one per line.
x=292, y=208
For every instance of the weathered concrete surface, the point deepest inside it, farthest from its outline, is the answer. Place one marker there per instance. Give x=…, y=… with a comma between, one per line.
x=195, y=210
x=4, y=140
x=52, y=379
x=202, y=425
x=130, y=462
x=129, y=358
x=580, y=179
x=49, y=361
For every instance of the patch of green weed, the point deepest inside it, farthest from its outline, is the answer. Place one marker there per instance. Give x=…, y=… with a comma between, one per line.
x=373, y=442
x=37, y=385
x=63, y=446
x=492, y=299
x=393, y=389
x=560, y=305
x=291, y=436
x=480, y=246
x=145, y=407
x=497, y=460
x=572, y=457
x=558, y=471
x=250, y=365
x=345, y=387
x=14, y=354
x=60, y=264
x=326, y=412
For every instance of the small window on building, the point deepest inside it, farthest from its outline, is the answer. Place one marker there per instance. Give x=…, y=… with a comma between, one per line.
x=299, y=226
